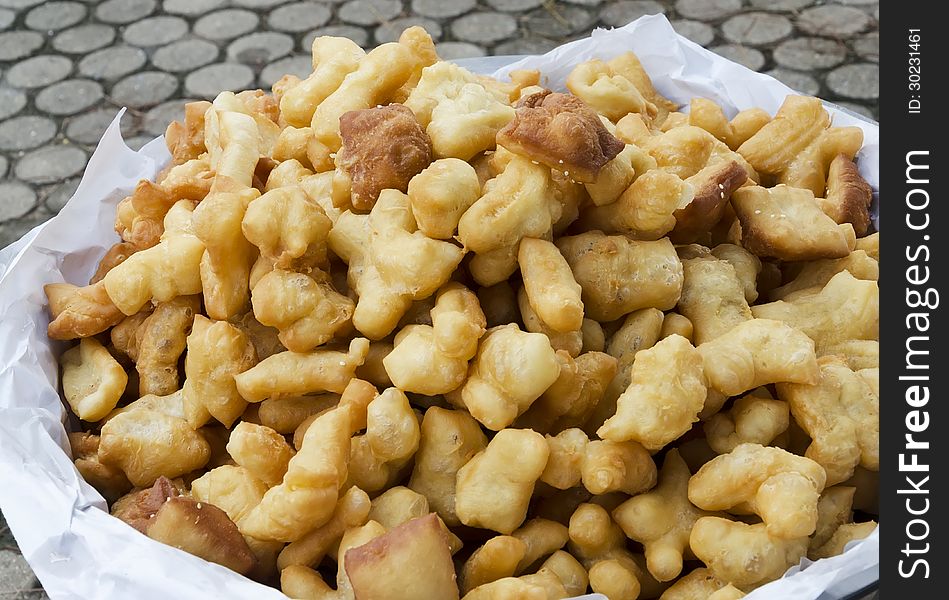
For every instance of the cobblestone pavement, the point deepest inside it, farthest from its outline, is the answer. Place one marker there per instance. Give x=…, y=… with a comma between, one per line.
x=67, y=66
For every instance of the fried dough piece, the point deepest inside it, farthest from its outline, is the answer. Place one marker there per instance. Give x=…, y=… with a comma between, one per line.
x=848, y=195
x=745, y=555
x=114, y=256
x=780, y=487
x=204, y=530
x=304, y=308
x=841, y=414
x=170, y=269
x=79, y=312
x=662, y=519
x=225, y=266
x=162, y=339
x=607, y=92
x=619, y=275
x=108, y=480
x=408, y=562
x=138, y=508
x=333, y=58
x=562, y=132
x=787, y=223
x=217, y=351
x=382, y=148
x=712, y=188
x=846, y=308
x=185, y=140
x=460, y=114
x=93, y=381
x=289, y=228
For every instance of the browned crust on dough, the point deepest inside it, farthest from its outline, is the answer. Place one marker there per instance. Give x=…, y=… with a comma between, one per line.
x=562, y=132
x=848, y=195
x=79, y=312
x=713, y=190
x=139, y=507
x=113, y=257
x=383, y=148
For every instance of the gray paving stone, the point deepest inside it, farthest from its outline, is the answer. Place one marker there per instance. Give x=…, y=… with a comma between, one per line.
x=442, y=9
x=15, y=45
x=698, y=32
x=17, y=572
x=299, y=16
x=53, y=16
x=84, y=38
x=226, y=24
x=26, y=132
x=11, y=231
x=258, y=49
x=617, y=14
x=69, y=97
x=185, y=55
x=155, y=31
x=742, y=55
x=136, y=142
x=39, y=71
x=559, y=23
x=585, y=2
x=800, y=82
x=7, y=17
x=782, y=5
x=833, y=20
x=807, y=53
x=157, y=119
x=299, y=65
x=88, y=128
x=707, y=10
x=4, y=165
x=857, y=2
x=369, y=12
x=258, y=4
x=861, y=80
x=868, y=47
x=857, y=108
x=112, y=62
x=11, y=102
x=514, y=5
x=144, y=89
x=484, y=27
x=390, y=32
x=191, y=7
x=531, y=45
x=124, y=11
x=356, y=34
x=756, y=28
x=58, y=195
x=17, y=4
x=50, y=164
x=453, y=50
x=209, y=81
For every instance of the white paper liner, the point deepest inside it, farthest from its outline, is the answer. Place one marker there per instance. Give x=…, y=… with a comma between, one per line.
x=80, y=552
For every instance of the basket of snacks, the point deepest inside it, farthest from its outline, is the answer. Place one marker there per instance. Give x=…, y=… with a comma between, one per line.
x=599, y=321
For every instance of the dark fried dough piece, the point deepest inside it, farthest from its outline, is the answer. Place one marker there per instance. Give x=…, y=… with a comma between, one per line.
x=848, y=195
x=114, y=256
x=562, y=132
x=383, y=148
x=204, y=530
x=137, y=508
x=713, y=187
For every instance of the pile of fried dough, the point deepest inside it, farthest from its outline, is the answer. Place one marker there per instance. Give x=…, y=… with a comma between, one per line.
x=399, y=331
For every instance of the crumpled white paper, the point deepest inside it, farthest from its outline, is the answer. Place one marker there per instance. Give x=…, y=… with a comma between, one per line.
x=80, y=552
